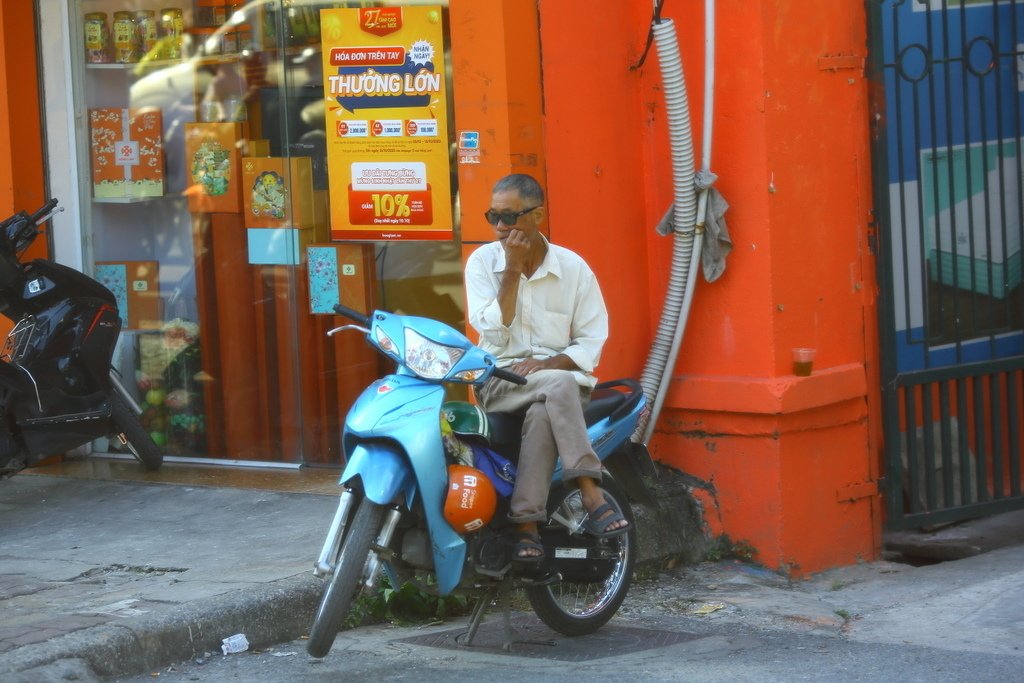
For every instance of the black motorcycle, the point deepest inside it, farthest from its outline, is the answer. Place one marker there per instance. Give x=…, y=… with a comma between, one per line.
x=57, y=388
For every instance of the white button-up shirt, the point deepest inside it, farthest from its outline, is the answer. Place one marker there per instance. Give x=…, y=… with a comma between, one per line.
x=559, y=310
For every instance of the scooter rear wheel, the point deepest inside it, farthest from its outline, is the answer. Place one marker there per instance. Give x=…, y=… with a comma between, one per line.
x=576, y=608
x=349, y=574
x=139, y=442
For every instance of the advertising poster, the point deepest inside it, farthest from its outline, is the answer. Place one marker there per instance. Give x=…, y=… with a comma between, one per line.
x=387, y=123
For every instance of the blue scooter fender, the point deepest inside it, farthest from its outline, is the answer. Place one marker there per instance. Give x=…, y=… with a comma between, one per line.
x=396, y=431
x=384, y=472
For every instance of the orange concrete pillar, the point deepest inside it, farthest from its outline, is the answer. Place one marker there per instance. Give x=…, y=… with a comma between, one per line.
x=21, y=140
x=497, y=96
x=791, y=460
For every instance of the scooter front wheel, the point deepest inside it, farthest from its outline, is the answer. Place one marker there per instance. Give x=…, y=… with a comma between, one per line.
x=349, y=574
x=128, y=427
x=581, y=606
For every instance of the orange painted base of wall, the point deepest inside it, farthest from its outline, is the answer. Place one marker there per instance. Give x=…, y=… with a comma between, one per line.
x=784, y=458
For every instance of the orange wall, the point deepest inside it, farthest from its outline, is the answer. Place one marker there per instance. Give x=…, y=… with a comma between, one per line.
x=21, y=145
x=793, y=460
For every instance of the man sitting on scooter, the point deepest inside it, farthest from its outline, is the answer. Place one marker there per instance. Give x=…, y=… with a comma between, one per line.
x=538, y=308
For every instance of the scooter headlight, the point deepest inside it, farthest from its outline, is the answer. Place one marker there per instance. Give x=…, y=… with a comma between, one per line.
x=429, y=359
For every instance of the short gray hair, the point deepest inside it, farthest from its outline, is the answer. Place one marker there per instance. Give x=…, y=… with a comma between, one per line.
x=525, y=186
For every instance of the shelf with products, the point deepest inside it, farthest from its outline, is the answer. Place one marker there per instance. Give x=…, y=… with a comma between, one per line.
x=135, y=200
x=140, y=65
x=134, y=90
x=141, y=68
x=151, y=36
x=132, y=163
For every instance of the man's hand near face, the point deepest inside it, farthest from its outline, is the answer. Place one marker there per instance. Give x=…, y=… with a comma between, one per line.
x=517, y=251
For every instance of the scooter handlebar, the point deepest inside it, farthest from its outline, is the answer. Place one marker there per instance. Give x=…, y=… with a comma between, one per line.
x=352, y=314
x=46, y=208
x=509, y=376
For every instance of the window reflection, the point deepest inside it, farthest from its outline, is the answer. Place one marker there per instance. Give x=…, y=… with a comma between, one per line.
x=223, y=349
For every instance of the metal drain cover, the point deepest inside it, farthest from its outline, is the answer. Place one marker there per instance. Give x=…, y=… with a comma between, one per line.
x=531, y=638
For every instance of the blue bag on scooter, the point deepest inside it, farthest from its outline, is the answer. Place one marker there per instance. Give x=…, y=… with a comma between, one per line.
x=500, y=470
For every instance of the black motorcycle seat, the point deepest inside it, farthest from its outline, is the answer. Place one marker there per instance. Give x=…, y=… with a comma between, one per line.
x=507, y=428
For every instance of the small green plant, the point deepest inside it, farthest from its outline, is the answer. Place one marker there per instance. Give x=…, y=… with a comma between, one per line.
x=723, y=547
x=406, y=604
x=742, y=550
x=843, y=614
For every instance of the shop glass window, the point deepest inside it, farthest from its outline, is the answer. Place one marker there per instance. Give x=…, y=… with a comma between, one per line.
x=203, y=160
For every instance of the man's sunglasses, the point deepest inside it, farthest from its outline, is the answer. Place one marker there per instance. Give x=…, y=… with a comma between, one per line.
x=506, y=217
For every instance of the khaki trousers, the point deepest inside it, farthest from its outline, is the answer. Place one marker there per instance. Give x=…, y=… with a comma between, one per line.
x=553, y=428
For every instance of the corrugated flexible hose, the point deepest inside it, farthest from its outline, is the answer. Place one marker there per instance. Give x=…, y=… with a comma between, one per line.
x=686, y=249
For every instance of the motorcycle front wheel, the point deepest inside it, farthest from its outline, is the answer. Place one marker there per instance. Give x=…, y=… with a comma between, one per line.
x=349, y=575
x=578, y=608
x=132, y=433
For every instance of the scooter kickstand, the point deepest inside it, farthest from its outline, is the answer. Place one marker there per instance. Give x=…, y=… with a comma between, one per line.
x=478, y=614
x=505, y=593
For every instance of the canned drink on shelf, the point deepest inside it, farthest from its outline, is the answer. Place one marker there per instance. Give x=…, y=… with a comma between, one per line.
x=172, y=27
x=126, y=38
x=207, y=16
x=146, y=27
x=97, y=38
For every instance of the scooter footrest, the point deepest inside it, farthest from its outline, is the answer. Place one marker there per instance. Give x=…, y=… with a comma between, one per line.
x=99, y=414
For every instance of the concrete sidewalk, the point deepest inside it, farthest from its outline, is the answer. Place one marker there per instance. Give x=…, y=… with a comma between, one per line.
x=101, y=579
x=128, y=576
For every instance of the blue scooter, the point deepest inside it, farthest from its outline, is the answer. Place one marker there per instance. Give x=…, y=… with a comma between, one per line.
x=391, y=517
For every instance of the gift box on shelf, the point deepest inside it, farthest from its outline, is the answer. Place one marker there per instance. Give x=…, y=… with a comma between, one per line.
x=213, y=164
x=339, y=273
x=136, y=286
x=277, y=192
x=257, y=148
x=127, y=153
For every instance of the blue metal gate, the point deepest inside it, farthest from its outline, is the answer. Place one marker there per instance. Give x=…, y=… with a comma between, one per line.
x=948, y=147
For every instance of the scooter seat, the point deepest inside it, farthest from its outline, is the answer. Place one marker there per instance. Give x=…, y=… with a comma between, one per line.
x=507, y=428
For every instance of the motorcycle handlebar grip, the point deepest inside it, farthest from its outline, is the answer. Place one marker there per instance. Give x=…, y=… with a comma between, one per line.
x=509, y=376
x=352, y=314
x=47, y=208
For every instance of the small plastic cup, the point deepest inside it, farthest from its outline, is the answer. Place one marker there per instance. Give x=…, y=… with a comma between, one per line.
x=234, y=108
x=234, y=644
x=803, y=361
